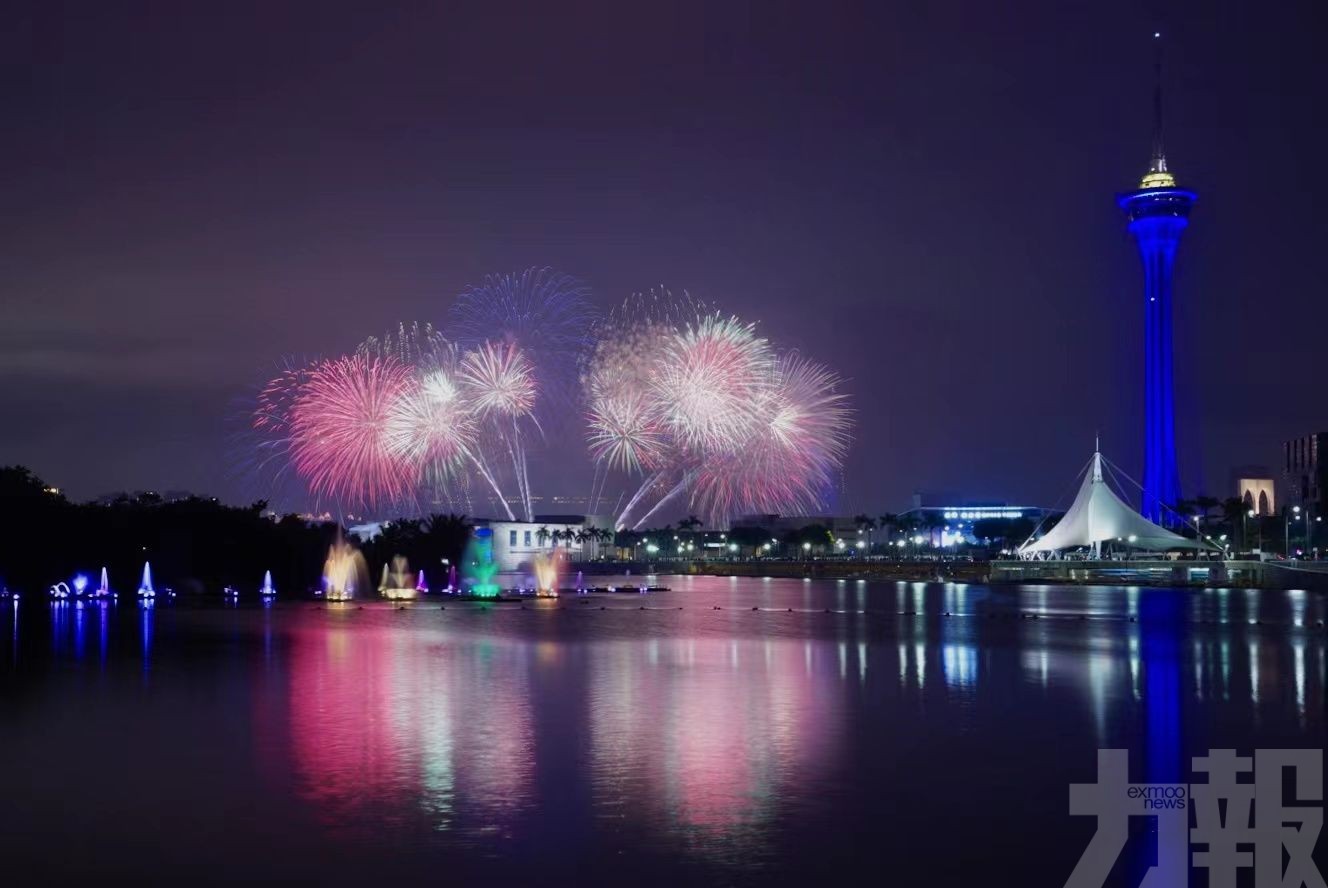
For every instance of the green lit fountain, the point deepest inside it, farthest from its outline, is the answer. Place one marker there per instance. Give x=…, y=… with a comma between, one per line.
x=478, y=566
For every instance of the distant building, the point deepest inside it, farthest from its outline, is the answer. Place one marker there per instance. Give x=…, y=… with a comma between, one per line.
x=1256, y=488
x=516, y=543
x=1305, y=471
x=947, y=524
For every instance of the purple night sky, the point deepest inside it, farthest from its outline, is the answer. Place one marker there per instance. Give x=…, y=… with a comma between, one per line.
x=920, y=195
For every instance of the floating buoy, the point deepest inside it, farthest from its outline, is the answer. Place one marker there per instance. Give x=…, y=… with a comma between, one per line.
x=756, y=608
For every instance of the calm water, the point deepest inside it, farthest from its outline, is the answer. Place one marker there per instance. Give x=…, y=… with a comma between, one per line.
x=595, y=742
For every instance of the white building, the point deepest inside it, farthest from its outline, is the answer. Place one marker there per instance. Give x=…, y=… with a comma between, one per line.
x=516, y=543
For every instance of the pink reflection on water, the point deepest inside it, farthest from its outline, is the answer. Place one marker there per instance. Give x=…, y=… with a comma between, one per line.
x=705, y=734
x=386, y=723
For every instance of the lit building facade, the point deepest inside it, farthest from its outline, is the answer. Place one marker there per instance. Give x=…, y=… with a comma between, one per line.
x=517, y=543
x=1305, y=471
x=1258, y=494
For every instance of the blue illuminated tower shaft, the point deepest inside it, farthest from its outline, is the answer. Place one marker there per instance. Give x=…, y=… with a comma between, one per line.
x=1157, y=218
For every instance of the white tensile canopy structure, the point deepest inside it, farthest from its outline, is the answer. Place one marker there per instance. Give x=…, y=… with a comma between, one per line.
x=1098, y=515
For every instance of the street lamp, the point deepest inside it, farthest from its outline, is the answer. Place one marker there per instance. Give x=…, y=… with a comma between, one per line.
x=1287, y=527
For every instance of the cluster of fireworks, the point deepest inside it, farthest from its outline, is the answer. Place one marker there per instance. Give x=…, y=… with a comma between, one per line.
x=688, y=407
x=700, y=407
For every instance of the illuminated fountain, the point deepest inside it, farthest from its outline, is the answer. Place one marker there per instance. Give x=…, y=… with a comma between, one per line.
x=398, y=582
x=480, y=566
x=60, y=591
x=546, y=574
x=267, y=590
x=230, y=592
x=344, y=571
x=421, y=587
x=452, y=579
x=580, y=583
x=103, y=589
x=145, y=589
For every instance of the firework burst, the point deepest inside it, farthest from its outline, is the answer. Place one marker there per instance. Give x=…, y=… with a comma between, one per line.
x=342, y=430
x=625, y=432
x=787, y=465
x=704, y=409
x=711, y=379
x=499, y=379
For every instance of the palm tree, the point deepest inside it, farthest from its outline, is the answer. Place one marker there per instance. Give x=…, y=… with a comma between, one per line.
x=1206, y=504
x=886, y=520
x=691, y=522
x=542, y=534
x=1234, y=513
x=446, y=536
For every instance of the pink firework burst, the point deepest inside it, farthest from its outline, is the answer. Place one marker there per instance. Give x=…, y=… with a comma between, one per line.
x=499, y=380
x=710, y=379
x=789, y=463
x=342, y=439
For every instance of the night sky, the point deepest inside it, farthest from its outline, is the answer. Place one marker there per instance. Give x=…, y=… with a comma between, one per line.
x=921, y=195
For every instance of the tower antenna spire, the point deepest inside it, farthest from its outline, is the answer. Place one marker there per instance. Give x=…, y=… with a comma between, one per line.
x=1159, y=163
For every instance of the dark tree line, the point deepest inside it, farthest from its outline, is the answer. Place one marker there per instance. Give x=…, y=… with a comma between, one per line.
x=195, y=545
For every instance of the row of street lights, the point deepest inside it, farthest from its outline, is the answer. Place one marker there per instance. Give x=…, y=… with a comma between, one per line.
x=1290, y=515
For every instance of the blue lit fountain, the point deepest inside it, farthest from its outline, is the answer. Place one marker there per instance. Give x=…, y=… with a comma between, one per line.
x=103, y=589
x=145, y=589
x=267, y=590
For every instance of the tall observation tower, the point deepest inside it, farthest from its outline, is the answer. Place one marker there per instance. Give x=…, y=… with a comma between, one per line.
x=1158, y=211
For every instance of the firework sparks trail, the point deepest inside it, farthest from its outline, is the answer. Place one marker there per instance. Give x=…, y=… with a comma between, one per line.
x=499, y=381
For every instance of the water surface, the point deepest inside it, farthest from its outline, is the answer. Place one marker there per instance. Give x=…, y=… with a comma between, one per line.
x=729, y=731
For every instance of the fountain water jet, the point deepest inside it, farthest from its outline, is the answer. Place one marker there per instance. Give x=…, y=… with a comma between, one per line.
x=104, y=589
x=398, y=582
x=145, y=589
x=344, y=571
x=480, y=566
x=267, y=590
x=546, y=574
